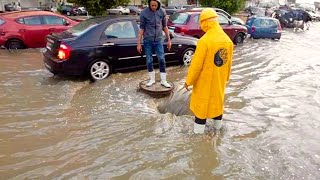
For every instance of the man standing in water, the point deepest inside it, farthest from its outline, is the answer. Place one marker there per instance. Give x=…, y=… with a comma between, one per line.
x=209, y=72
x=152, y=22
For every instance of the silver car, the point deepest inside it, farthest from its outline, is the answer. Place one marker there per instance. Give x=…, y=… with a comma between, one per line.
x=118, y=10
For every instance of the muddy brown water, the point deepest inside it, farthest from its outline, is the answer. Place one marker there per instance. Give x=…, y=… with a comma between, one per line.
x=62, y=128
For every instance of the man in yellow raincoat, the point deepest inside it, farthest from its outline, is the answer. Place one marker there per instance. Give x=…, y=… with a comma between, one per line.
x=209, y=72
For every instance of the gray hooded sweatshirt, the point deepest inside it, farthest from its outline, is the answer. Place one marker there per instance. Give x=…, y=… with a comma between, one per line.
x=153, y=22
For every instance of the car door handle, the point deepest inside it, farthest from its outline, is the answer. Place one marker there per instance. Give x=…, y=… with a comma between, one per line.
x=108, y=44
x=52, y=29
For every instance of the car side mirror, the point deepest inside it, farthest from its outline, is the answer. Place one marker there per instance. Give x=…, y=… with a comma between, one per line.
x=67, y=23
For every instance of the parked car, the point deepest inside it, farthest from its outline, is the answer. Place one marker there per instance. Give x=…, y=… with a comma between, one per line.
x=9, y=7
x=314, y=16
x=118, y=10
x=28, y=29
x=134, y=10
x=235, y=20
x=100, y=46
x=69, y=10
x=264, y=27
x=187, y=23
x=82, y=11
x=171, y=10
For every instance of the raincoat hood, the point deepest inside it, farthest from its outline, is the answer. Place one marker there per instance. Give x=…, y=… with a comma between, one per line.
x=208, y=20
x=159, y=4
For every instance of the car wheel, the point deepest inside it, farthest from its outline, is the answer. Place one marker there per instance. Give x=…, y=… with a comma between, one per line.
x=99, y=70
x=186, y=56
x=14, y=44
x=239, y=38
x=120, y=13
x=68, y=14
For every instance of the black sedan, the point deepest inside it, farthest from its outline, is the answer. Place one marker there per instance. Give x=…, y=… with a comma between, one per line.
x=101, y=45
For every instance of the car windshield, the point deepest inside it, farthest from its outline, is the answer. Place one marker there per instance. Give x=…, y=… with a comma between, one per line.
x=84, y=26
x=1, y=21
x=179, y=18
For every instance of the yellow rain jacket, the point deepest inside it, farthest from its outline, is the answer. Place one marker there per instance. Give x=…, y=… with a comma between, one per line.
x=210, y=70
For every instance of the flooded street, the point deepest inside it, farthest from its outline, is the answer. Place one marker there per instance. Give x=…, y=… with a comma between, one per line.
x=69, y=128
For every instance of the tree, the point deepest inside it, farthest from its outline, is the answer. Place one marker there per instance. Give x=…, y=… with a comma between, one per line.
x=99, y=7
x=231, y=6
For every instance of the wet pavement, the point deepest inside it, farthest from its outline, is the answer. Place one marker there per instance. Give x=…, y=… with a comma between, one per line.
x=62, y=128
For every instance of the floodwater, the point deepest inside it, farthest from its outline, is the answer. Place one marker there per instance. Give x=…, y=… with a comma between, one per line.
x=69, y=128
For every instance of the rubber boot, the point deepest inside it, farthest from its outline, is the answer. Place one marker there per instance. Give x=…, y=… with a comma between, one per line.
x=198, y=128
x=152, y=80
x=163, y=77
x=217, y=124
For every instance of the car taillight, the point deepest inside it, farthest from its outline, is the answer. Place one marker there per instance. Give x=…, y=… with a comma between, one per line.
x=253, y=29
x=279, y=27
x=64, y=52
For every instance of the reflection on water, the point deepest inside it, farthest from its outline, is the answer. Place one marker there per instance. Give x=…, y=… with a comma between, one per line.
x=61, y=128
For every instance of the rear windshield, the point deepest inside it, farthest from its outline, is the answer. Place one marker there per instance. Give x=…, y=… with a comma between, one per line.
x=84, y=26
x=179, y=18
x=1, y=21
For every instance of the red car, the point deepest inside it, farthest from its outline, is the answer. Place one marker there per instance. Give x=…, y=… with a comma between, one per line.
x=187, y=23
x=28, y=29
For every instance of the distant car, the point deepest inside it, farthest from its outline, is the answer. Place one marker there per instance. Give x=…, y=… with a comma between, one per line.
x=9, y=7
x=171, y=10
x=134, y=10
x=118, y=10
x=314, y=16
x=187, y=23
x=69, y=10
x=101, y=45
x=264, y=27
x=28, y=29
x=82, y=11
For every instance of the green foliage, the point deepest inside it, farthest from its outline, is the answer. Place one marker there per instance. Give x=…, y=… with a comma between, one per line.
x=59, y=9
x=99, y=7
x=231, y=6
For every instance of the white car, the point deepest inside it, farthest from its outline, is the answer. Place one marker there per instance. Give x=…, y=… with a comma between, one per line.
x=314, y=16
x=118, y=10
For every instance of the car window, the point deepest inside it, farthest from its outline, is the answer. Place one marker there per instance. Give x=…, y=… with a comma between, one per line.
x=53, y=20
x=32, y=20
x=196, y=18
x=179, y=18
x=85, y=26
x=257, y=23
x=223, y=20
x=123, y=29
x=1, y=21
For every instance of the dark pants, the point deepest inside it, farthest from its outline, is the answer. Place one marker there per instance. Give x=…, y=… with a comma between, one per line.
x=203, y=121
x=157, y=46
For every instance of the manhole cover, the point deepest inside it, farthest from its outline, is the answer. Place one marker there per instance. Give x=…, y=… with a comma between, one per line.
x=156, y=89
